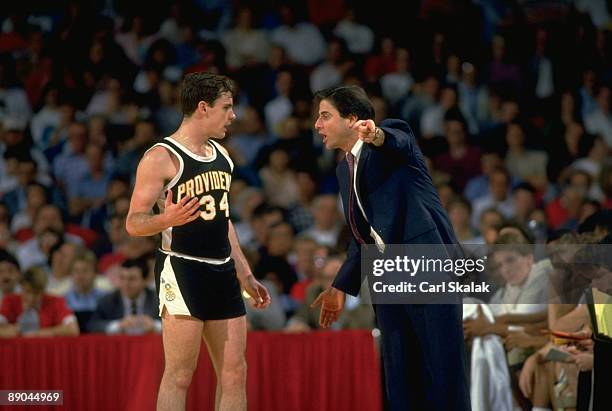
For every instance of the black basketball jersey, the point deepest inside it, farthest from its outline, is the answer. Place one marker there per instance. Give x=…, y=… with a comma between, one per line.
x=208, y=179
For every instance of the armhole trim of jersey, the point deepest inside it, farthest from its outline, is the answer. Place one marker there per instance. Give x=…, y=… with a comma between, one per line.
x=178, y=175
x=223, y=151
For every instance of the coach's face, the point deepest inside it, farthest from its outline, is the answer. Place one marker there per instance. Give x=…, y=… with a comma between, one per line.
x=334, y=129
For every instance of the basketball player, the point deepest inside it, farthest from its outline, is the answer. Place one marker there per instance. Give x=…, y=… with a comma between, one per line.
x=199, y=267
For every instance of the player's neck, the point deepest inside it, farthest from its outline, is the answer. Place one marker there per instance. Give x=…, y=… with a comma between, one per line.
x=192, y=138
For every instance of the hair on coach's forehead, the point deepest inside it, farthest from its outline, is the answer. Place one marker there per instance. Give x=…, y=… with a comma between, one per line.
x=348, y=100
x=202, y=86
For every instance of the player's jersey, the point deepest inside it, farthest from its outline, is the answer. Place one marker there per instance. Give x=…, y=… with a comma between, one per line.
x=208, y=179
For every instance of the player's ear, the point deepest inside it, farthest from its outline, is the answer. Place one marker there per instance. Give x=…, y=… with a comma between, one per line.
x=203, y=106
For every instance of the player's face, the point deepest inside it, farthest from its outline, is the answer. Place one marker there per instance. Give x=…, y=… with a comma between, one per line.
x=333, y=129
x=220, y=115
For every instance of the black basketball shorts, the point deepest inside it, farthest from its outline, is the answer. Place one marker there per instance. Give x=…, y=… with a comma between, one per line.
x=198, y=289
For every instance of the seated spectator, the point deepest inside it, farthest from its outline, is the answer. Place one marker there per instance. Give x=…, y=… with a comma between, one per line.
x=461, y=161
x=332, y=70
x=303, y=259
x=327, y=225
x=499, y=197
x=396, y=85
x=279, y=180
x=133, y=308
x=245, y=45
x=61, y=257
x=83, y=297
x=34, y=313
x=302, y=40
x=524, y=164
x=300, y=212
x=89, y=192
x=71, y=164
x=524, y=199
x=563, y=211
x=306, y=318
x=9, y=274
x=36, y=197
x=459, y=211
x=48, y=223
x=272, y=318
x=359, y=38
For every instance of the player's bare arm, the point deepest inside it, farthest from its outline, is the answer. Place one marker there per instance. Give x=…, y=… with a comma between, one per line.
x=156, y=168
x=253, y=287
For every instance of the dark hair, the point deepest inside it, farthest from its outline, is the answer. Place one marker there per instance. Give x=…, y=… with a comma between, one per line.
x=6, y=257
x=35, y=277
x=203, y=86
x=600, y=219
x=139, y=263
x=513, y=242
x=348, y=100
x=525, y=187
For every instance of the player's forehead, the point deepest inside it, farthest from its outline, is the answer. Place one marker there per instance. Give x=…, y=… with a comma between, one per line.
x=325, y=106
x=224, y=99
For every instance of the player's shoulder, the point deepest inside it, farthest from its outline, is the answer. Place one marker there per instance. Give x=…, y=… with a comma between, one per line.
x=220, y=147
x=156, y=153
x=159, y=160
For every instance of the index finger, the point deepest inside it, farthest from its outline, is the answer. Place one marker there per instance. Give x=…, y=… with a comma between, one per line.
x=359, y=123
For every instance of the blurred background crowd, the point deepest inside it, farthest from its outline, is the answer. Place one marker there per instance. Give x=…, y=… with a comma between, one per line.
x=510, y=102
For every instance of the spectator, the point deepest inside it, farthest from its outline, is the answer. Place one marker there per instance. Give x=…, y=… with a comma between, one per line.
x=133, y=308
x=524, y=199
x=358, y=37
x=48, y=230
x=306, y=318
x=86, y=289
x=302, y=41
x=10, y=275
x=499, y=197
x=36, y=197
x=34, y=313
x=327, y=225
x=61, y=258
x=245, y=45
x=459, y=211
x=397, y=84
x=600, y=120
x=331, y=72
x=71, y=165
x=462, y=161
x=524, y=164
x=279, y=181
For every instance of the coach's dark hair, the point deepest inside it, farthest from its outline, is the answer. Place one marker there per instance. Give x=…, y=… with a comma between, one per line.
x=202, y=86
x=348, y=100
x=139, y=263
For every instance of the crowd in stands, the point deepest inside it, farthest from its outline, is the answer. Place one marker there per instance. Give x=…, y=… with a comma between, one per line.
x=510, y=102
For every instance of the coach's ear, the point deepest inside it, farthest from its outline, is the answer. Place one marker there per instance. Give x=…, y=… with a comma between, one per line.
x=352, y=119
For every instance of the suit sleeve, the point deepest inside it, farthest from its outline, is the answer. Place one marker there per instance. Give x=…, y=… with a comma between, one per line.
x=399, y=140
x=348, y=278
x=100, y=318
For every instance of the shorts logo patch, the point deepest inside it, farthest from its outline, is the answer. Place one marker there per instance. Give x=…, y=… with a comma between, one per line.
x=170, y=296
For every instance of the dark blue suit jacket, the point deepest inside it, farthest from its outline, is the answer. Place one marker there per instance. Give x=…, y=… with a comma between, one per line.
x=397, y=194
x=422, y=344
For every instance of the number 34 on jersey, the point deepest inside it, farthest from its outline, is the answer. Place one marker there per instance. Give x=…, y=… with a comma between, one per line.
x=204, y=183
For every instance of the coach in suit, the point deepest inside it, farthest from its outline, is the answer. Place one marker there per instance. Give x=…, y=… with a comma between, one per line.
x=133, y=308
x=388, y=198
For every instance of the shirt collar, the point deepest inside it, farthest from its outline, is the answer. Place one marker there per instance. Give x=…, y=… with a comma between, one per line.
x=139, y=300
x=356, y=150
